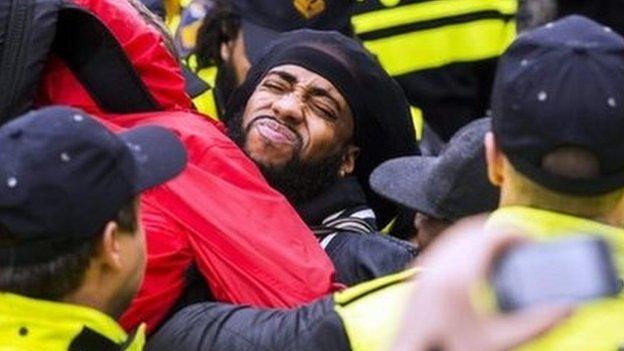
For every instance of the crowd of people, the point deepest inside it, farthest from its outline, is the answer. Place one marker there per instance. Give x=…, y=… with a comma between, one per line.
x=303, y=175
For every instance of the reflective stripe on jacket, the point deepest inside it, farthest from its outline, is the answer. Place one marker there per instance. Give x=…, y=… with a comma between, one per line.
x=418, y=35
x=442, y=52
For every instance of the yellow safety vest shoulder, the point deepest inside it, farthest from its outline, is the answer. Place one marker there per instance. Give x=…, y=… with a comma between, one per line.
x=29, y=324
x=370, y=311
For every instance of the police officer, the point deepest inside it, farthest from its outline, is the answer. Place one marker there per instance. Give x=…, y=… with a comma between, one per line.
x=443, y=53
x=72, y=248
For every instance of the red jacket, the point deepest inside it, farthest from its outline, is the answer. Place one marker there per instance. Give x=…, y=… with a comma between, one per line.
x=246, y=240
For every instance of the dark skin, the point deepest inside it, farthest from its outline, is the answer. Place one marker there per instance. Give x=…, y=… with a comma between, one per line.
x=296, y=112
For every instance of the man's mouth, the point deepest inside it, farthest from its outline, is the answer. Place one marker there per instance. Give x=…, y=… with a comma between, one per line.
x=275, y=131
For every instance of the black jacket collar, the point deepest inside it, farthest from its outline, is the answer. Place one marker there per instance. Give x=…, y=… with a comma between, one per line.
x=345, y=193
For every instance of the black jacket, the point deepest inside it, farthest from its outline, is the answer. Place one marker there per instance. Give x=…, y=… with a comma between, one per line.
x=346, y=229
x=221, y=327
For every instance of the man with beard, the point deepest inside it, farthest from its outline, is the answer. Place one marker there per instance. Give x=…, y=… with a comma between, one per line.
x=316, y=135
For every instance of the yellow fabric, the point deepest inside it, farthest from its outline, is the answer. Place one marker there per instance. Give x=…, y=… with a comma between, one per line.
x=370, y=311
x=188, y=34
x=426, y=11
x=174, y=9
x=52, y=326
x=597, y=326
x=388, y=228
x=417, y=118
x=206, y=102
x=437, y=47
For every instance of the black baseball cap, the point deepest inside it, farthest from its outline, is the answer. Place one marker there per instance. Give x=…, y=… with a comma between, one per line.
x=263, y=20
x=560, y=85
x=63, y=176
x=450, y=186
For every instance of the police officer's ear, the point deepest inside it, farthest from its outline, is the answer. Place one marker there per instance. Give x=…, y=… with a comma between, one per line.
x=109, y=250
x=347, y=165
x=495, y=160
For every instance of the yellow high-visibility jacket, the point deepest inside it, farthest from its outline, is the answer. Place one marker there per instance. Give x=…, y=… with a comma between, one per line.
x=205, y=103
x=442, y=52
x=371, y=312
x=32, y=325
x=596, y=326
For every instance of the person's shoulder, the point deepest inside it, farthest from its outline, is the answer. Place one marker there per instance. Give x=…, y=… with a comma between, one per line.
x=376, y=240
x=362, y=257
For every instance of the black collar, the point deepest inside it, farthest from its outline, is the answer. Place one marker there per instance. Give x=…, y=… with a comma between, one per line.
x=345, y=193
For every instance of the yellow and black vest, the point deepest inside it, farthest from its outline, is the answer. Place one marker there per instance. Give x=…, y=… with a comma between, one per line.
x=185, y=26
x=442, y=52
x=28, y=324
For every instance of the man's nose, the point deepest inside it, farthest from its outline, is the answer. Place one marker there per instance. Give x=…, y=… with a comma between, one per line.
x=289, y=108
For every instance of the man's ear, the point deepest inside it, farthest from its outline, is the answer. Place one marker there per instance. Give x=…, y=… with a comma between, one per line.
x=348, y=160
x=494, y=159
x=225, y=50
x=110, y=247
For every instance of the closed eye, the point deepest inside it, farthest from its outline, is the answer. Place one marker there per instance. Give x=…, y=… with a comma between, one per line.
x=326, y=112
x=275, y=86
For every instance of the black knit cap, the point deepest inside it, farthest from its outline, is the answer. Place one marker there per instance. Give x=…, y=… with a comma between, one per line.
x=382, y=120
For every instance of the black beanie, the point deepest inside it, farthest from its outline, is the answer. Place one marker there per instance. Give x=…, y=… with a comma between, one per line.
x=382, y=120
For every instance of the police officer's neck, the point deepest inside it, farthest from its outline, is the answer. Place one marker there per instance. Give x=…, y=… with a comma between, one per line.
x=607, y=209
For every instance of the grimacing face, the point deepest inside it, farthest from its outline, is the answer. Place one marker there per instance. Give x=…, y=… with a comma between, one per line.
x=296, y=112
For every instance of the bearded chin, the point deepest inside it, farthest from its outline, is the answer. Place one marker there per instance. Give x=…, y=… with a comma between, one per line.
x=298, y=181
